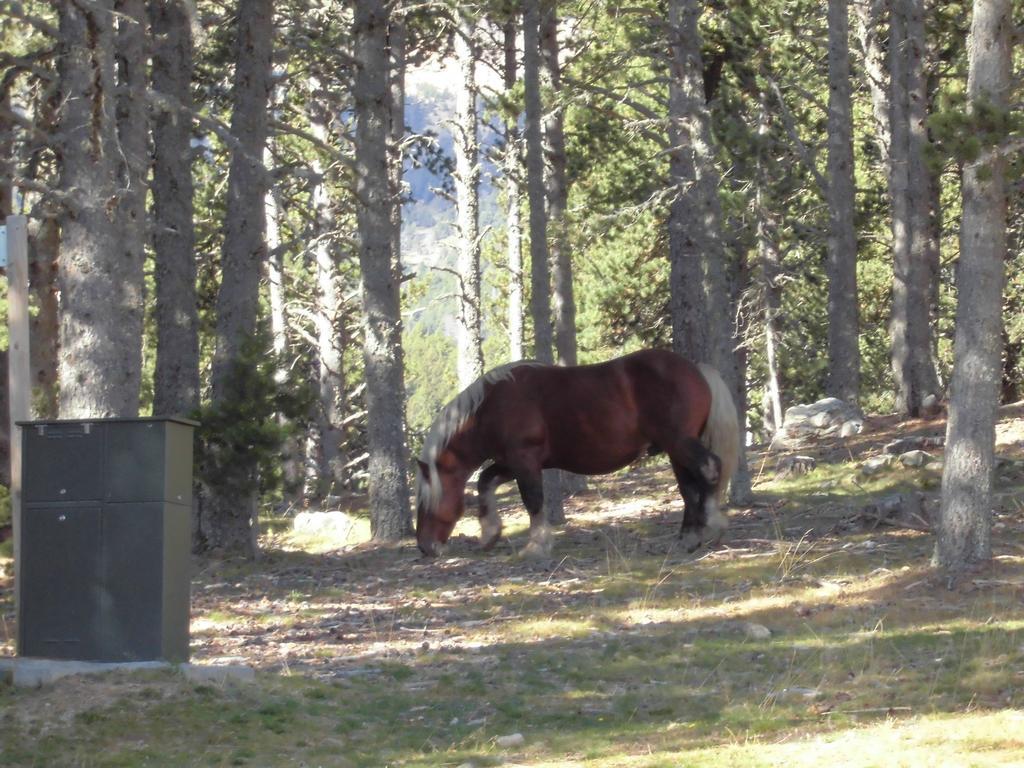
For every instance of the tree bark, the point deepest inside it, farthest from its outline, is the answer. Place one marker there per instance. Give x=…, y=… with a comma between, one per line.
x=7, y=151
x=771, y=270
x=245, y=228
x=382, y=347
x=100, y=276
x=703, y=215
x=397, y=44
x=513, y=170
x=132, y=56
x=964, y=531
x=467, y=194
x=540, y=274
x=329, y=330
x=540, y=271
x=557, y=185
x=228, y=515
x=176, y=377
x=686, y=246
x=843, y=328
x=912, y=365
x=870, y=28
x=44, y=325
x=293, y=452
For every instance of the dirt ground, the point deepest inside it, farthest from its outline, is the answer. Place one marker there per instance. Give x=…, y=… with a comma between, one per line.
x=330, y=615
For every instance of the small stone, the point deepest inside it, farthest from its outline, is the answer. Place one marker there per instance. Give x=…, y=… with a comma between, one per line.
x=757, y=631
x=511, y=741
x=336, y=524
x=791, y=466
x=874, y=465
x=851, y=427
x=931, y=406
x=915, y=458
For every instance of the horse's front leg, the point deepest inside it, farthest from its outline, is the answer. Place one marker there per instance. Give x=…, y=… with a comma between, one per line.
x=490, y=522
x=697, y=471
x=692, y=527
x=531, y=488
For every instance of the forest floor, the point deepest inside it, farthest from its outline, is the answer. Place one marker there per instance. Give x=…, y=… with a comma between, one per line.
x=814, y=633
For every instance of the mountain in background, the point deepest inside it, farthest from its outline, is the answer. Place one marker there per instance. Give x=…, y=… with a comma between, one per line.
x=428, y=216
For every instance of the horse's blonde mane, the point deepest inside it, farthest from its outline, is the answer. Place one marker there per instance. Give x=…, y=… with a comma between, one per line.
x=447, y=424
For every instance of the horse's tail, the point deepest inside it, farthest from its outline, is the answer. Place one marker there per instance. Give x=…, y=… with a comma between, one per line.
x=721, y=433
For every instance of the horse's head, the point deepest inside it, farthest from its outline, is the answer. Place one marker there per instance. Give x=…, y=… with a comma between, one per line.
x=439, y=504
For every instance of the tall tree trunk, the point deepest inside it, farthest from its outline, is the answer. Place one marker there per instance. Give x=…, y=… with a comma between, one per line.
x=686, y=244
x=44, y=326
x=564, y=304
x=771, y=263
x=397, y=44
x=329, y=328
x=964, y=532
x=703, y=209
x=176, y=378
x=276, y=275
x=7, y=150
x=382, y=350
x=843, y=327
x=771, y=270
x=132, y=56
x=467, y=194
x=293, y=452
x=557, y=193
x=228, y=515
x=870, y=34
x=513, y=170
x=920, y=182
x=245, y=227
x=912, y=365
x=540, y=271
x=101, y=277
x=540, y=274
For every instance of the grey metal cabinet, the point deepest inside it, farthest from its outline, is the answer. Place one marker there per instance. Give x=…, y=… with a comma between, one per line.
x=106, y=524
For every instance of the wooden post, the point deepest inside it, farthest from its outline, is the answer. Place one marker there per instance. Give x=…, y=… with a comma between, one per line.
x=18, y=381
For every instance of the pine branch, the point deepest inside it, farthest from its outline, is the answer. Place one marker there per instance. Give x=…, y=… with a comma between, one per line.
x=805, y=152
x=16, y=11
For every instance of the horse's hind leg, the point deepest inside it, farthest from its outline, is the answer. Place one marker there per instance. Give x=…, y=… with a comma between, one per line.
x=490, y=522
x=531, y=488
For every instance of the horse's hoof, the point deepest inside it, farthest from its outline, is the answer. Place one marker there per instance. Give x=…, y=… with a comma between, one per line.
x=691, y=541
x=490, y=531
x=535, y=551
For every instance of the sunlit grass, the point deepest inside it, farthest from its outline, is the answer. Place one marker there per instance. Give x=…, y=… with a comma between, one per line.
x=621, y=651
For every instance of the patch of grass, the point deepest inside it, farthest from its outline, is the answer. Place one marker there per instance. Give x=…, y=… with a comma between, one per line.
x=622, y=651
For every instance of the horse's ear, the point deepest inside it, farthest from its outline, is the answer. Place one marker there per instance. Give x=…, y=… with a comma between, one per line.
x=424, y=469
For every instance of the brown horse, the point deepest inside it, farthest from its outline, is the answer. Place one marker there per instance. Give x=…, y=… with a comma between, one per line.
x=590, y=419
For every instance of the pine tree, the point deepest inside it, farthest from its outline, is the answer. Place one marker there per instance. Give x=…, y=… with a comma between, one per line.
x=964, y=530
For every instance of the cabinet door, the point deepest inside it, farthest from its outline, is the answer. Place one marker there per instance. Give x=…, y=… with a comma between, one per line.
x=63, y=462
x=131, y=604
x=60, y=581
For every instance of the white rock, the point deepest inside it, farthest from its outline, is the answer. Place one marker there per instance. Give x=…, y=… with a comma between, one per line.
x=851, y=428
x=915, y=458
x=795, y=465
x=757, y=631
x=511, y=741
x=334, y=523
x=805, y=423
x=874, y=465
